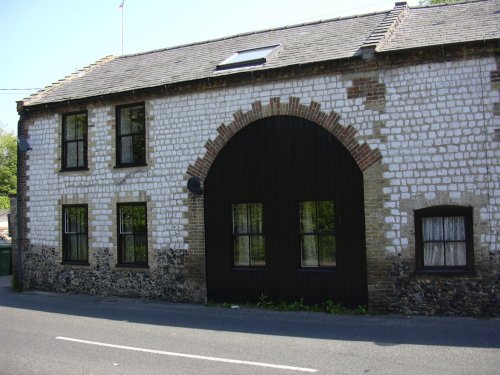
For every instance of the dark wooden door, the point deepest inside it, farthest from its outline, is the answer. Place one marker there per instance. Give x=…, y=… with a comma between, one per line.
x=280, y=162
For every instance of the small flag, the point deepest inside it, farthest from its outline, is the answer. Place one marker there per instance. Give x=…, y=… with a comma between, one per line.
x=121, y=5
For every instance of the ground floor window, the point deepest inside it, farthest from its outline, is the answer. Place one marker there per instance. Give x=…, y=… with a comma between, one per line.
x=444, y=238
x=317, y=234
x=75, y=234
x=248, y=237
x=132, y=234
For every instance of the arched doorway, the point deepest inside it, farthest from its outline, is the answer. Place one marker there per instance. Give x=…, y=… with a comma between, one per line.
x=284, y=216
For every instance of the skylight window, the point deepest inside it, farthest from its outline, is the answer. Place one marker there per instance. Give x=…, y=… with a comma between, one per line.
x=249, y=57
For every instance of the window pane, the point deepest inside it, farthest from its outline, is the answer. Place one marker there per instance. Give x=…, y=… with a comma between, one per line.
x=324, y=221
x=72, y=247
x=81, y=220
x=80, y=162
x=137, y=119
x=240, y=220
x=70, y=128
x=80, y=125
x=126, y=219
x=141, y=252
x=327, y=251
x=307, y=217
x=132, y=120
x=455, y=254
x=125, y=123
x=454, y=228
x=139, y=219
x=71, y=155
x=434, y=254
x=127, y=248
x=256, y=217
x=70, y=225
x=139, y=148
x=126, y=150
x=247, y=56
x=83, y=248
x=432, y=228
x=241, y=251
x=309, y=251
x=258, y=252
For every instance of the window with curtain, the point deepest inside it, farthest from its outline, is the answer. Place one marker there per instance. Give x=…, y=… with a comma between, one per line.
x=75, y=234
x=132, y=234
x=444, y=238
x=248, y=237
x=317, y=234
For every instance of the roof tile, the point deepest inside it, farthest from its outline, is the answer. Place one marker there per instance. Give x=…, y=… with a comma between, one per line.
x=341, y=38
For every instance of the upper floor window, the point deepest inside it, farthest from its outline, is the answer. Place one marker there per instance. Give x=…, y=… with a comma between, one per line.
x=245, y=58
x=248, y=237
x=130, y=135
x=74, y=141
x=443, y=238
x=317, y=234
x=132, y=234
x=75, y=234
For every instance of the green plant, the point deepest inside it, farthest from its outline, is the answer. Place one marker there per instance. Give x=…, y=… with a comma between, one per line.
x=297, y=306
x=362, y=310
x=263, y=301
x=332, y=307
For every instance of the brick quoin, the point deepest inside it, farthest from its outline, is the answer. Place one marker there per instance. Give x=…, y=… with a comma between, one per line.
x=362, y=153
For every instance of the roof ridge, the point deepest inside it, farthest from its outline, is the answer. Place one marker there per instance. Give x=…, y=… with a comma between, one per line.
x=462, y=2
x=77, y=74
x=297, y=25
x=386, y=27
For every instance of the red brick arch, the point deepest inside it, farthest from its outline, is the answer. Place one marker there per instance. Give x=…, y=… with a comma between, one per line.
x=362, y=153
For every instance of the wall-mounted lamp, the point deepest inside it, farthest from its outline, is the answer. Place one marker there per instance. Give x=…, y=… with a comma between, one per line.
x=194, y=185
x=23, y=144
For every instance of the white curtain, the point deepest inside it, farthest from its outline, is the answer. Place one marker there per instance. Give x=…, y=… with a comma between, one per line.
x=444, y=241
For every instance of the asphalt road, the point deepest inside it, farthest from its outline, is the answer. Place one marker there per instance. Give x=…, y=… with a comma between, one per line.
x=43, y=333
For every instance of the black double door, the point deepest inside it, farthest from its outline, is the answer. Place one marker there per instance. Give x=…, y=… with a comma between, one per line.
x=279, y=162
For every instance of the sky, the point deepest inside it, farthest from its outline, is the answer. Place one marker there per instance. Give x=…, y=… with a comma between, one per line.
x=42, y=41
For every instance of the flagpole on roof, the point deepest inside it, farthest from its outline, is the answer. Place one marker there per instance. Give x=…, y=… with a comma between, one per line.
x=121, y=7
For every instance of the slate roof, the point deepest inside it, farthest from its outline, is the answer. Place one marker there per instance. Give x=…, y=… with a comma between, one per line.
x=445, y=24
x=341, y=38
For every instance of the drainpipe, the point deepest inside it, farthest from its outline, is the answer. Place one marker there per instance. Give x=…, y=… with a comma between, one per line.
x=22, y=148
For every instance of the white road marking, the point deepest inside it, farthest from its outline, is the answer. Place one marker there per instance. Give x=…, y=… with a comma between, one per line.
x=192, y=356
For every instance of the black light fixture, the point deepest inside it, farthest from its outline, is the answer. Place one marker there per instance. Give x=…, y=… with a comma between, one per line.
x=23, y=144
x=194, y=185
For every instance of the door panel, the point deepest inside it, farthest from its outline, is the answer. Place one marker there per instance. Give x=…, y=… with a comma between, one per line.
x=281, y=161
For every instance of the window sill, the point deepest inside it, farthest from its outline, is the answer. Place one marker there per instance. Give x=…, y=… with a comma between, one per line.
x=83, y=169
x=317, y=269
x=251, y=269
x=132, y=265
x=121, y=166
x=70, y=263
x=444, y=272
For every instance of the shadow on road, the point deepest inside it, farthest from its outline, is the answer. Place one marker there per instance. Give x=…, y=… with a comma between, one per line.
x=382, y=330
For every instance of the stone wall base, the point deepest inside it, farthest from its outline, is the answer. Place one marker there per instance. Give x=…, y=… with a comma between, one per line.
x=448, y=295
x=169, y=281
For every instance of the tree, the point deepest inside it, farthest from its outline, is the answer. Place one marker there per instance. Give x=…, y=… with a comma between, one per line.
x=434, y=2
x=8, y=166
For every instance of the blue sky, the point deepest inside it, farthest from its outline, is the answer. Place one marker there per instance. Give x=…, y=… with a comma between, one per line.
x=42, y=41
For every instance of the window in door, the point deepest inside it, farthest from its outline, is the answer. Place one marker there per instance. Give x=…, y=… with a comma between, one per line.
x=248, y=237
x=317, y=234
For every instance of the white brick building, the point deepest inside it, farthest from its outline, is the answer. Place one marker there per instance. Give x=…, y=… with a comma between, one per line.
x=354, y=160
